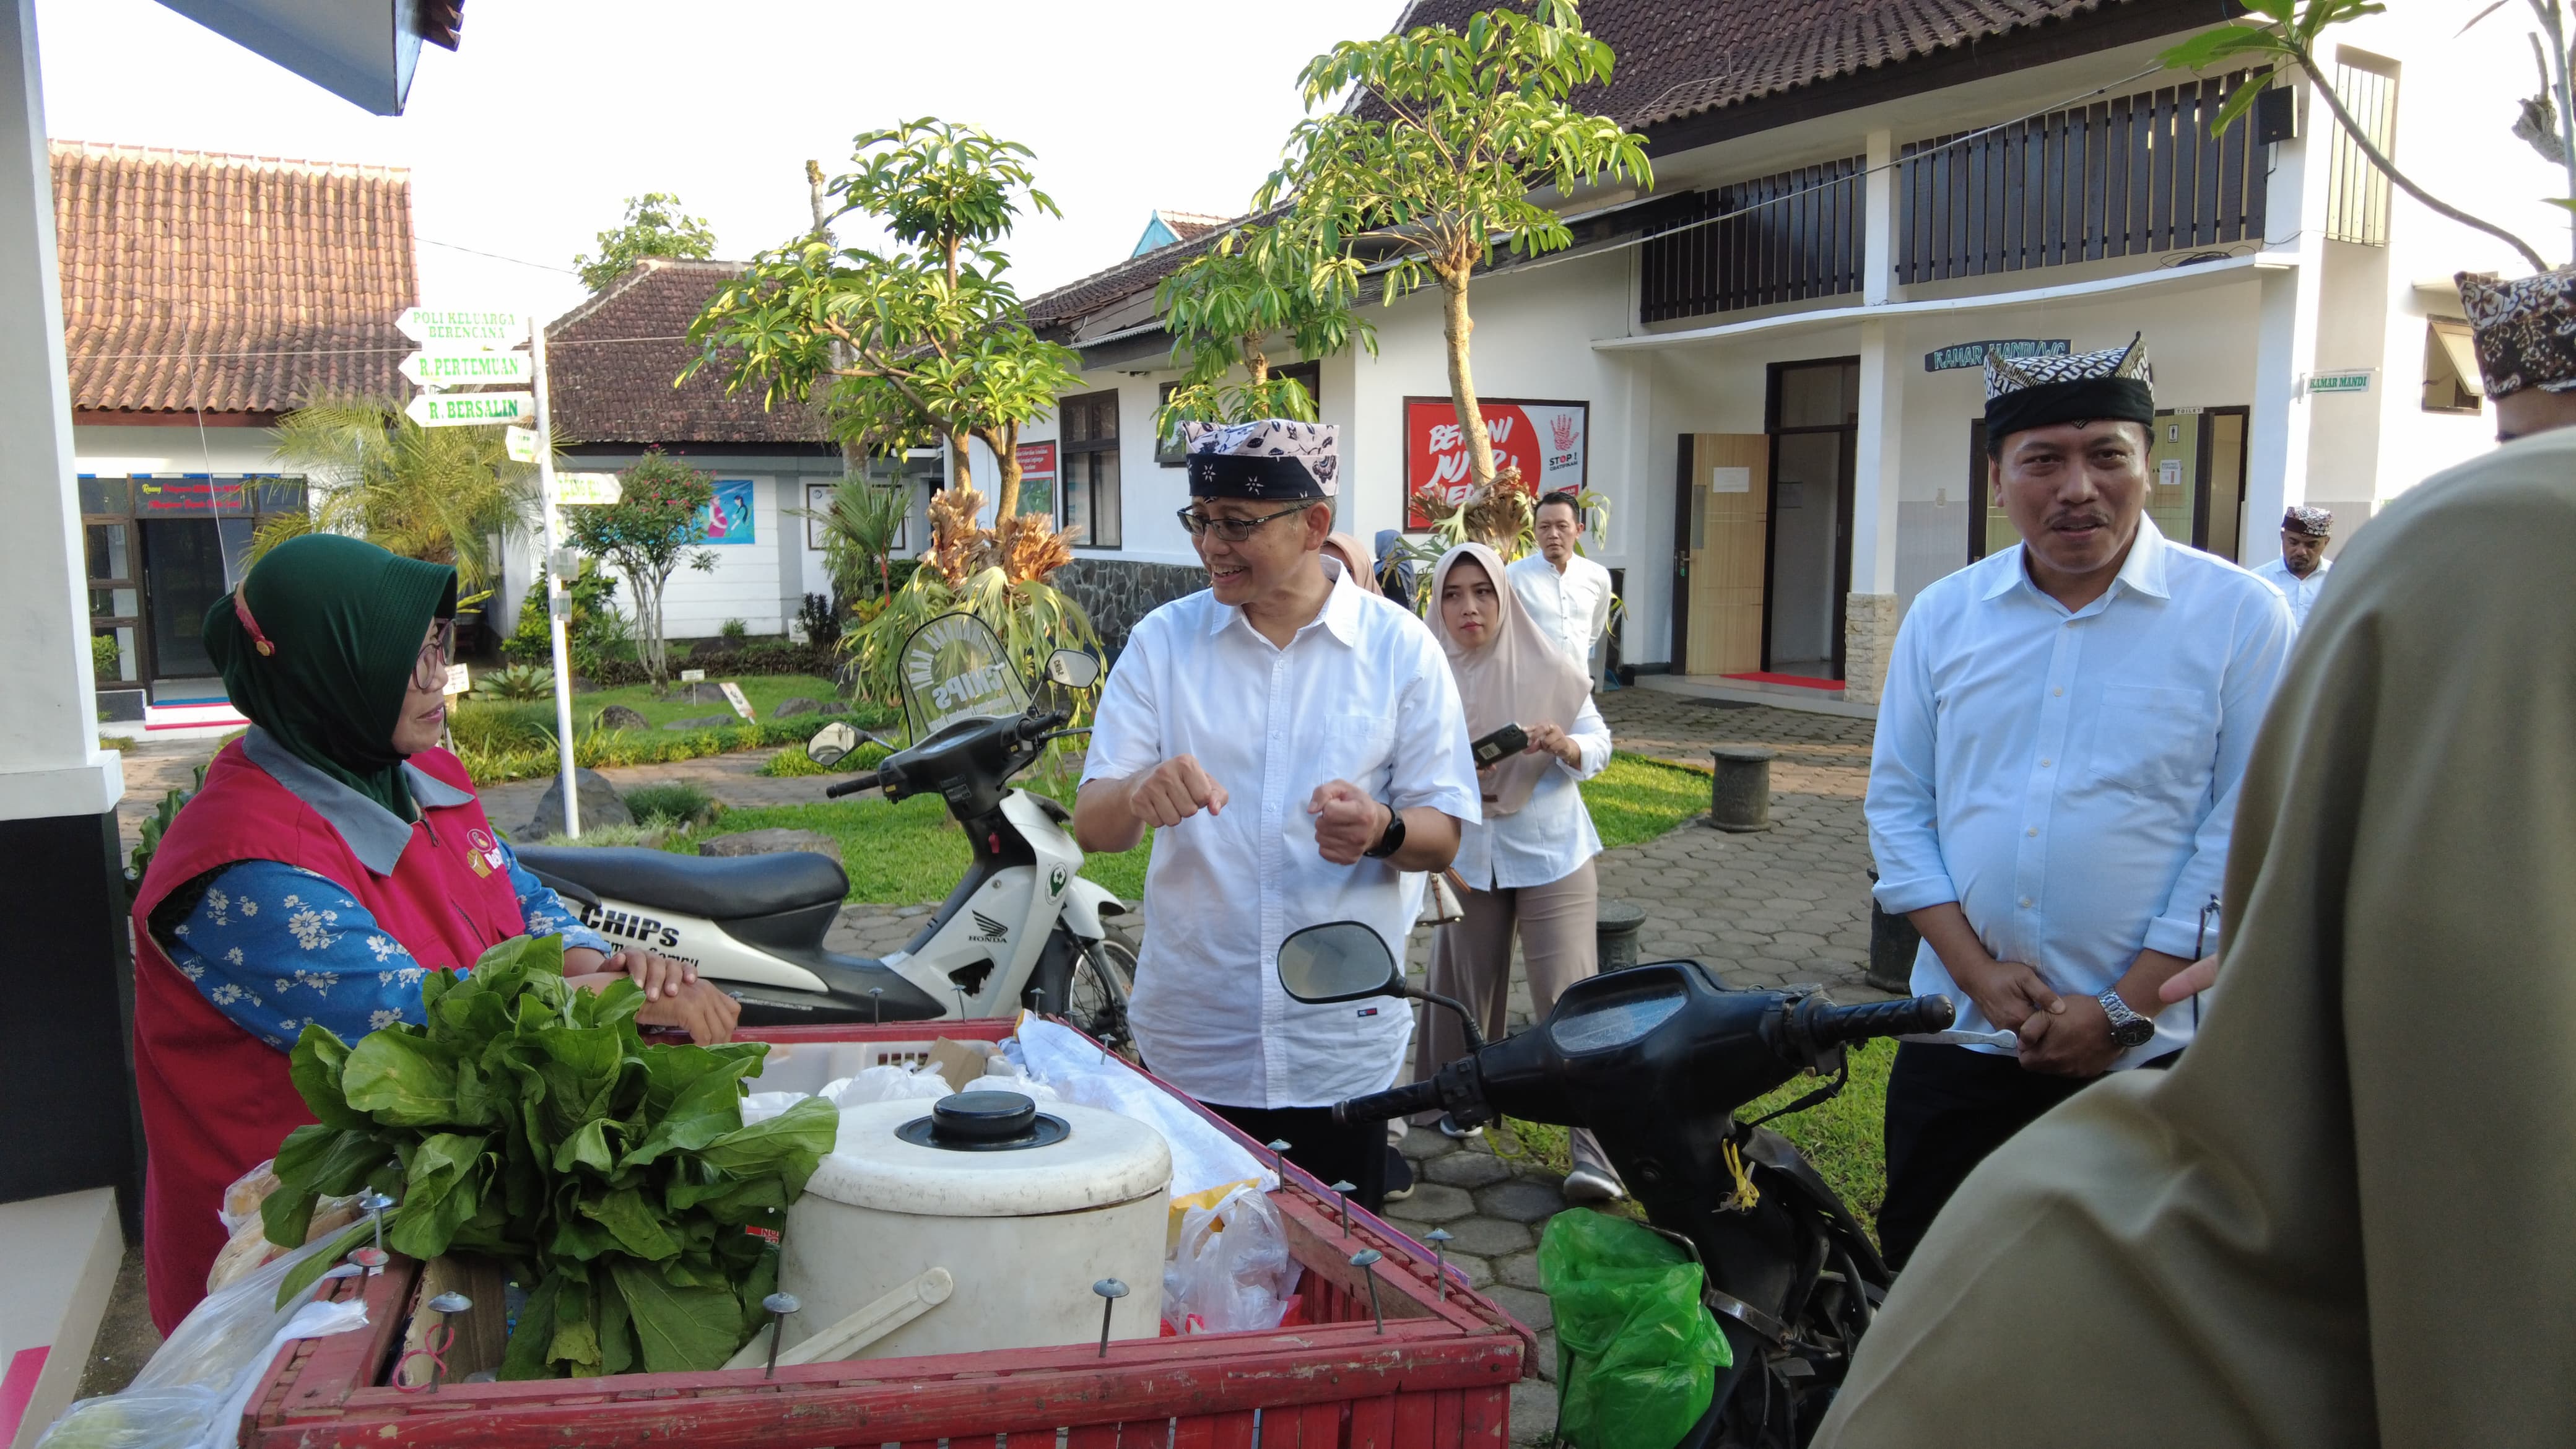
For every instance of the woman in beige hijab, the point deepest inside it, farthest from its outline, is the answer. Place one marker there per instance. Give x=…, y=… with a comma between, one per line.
x=2348, y=1216
x=1528, y=863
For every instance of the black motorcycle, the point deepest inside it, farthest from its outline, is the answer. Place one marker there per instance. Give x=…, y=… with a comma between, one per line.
x=1656, y=1060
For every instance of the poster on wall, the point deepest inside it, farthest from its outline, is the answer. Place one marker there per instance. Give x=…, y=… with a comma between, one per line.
x=729, y=518
x=1545, y=440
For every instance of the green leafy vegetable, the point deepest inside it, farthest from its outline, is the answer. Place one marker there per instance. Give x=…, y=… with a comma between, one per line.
x=528, y=1121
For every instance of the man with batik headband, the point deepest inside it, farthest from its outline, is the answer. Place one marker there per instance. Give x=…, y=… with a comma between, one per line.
x=2525, y=331
x=2055, y=772
x=2301, y=569
x=1297, y=744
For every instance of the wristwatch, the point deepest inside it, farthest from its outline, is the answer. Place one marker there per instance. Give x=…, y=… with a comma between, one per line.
x=1391, y=842
x=2128, y=1029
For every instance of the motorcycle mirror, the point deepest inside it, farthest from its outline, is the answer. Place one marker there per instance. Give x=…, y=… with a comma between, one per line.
x=1337, y=961
x=1073, y=669
x=831, y=743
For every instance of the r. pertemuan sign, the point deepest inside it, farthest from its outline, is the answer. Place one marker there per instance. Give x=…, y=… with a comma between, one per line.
x=467, y=369
x=471, y=409
x=1973, y=354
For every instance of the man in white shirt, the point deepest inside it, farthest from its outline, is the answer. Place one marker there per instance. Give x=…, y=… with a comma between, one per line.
x=1567, y=594
x=1297, y=744
x=2301, y=569
x=2059, y=748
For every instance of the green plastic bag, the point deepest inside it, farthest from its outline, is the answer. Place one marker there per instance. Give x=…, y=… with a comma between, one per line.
x=1636, y=1354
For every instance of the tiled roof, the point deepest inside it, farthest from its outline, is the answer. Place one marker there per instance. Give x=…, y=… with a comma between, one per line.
x=1190, y=225
x=610, y=362
x=228, y=283
x=1675, y=58
x=1679, y=57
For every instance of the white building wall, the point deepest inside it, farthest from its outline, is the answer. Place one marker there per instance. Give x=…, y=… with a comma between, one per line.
x=114, y=451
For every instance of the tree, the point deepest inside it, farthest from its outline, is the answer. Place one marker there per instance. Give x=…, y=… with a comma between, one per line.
x=446, y=495
x=2285, y=32
x=917, y=342
x=649, y=534
x=654, y=227
x=1430, y=172
x=1224, y=305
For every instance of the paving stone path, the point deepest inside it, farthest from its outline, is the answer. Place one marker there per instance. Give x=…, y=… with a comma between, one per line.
x=1786, y=906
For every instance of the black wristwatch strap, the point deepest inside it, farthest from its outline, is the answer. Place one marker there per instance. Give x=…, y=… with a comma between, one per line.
x=1391, y=842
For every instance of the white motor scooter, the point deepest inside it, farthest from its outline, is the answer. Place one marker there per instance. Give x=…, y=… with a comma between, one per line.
x=1022, y=928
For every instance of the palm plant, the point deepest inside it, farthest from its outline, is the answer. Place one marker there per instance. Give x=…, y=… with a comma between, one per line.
x=447, y=495
x=859, y=530
x=999, y=575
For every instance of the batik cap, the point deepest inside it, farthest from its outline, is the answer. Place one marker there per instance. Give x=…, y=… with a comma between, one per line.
x=2525, y=329
x=2311, y=522
x=1272, y=458
x=2034, y=392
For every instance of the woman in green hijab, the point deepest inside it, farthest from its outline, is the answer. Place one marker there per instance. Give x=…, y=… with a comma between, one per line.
x=2348, y=1217
x=335, y=856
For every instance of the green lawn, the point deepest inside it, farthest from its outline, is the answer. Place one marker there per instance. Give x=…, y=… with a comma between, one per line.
x=765, y=691
x=1637, y=799
x=909, y=852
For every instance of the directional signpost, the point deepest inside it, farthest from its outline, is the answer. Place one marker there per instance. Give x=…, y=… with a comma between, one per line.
x=578, y=489
x=467, y=369
x=471, y=348
x=443, y=330
x=471, y=409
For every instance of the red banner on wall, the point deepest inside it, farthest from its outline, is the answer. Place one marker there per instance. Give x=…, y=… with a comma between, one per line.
x=1545, y=440
x=1037, y=460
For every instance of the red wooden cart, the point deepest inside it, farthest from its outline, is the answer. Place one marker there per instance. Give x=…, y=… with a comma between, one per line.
x=1437, y=1374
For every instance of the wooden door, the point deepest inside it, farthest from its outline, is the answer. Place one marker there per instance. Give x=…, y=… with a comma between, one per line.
x=1729, y=486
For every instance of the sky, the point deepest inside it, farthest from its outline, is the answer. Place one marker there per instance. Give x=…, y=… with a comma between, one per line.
x=526, y=142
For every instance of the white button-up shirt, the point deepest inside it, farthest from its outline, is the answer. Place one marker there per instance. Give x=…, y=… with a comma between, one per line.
x=1572, y=608
x=1361, y=694
x=2071, y=779
x=2302, y=593
x=1542, y=842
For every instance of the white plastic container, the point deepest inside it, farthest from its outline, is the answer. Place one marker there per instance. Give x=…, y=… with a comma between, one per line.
x=1025, y=1227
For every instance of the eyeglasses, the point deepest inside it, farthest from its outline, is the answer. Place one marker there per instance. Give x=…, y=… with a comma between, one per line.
x=429, y=671
x=1232, y=530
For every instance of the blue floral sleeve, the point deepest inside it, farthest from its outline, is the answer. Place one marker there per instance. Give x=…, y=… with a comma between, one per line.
x=549, y=914
x=274, y=948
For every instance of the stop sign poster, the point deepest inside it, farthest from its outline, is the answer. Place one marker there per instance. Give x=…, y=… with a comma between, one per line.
x=1545, y=440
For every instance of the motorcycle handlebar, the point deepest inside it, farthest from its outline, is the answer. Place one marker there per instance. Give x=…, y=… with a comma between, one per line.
x=1833, y=1025
x=1401, y=1101
x=852, y=785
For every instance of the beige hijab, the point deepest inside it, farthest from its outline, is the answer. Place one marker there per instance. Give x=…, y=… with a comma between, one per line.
x=2348, y=1216
x=1515, y=677
x=1354, y=559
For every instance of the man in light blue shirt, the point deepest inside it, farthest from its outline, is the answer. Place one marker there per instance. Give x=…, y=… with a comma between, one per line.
x=2301, y=569
x=2061, y=738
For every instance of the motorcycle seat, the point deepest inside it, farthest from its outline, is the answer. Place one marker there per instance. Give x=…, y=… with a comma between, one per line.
x=726, y=888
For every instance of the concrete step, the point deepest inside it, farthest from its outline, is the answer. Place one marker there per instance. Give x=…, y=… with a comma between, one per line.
x=58, y=1261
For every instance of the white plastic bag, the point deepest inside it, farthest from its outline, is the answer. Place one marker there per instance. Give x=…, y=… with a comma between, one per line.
x=1203, y=1156
x=213, y=1358
x=761, y=1106
x=888, y=1083
x=1029, y=1087
x=1230, y=1271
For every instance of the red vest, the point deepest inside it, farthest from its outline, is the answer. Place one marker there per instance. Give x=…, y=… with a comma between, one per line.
x=216, y=1101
